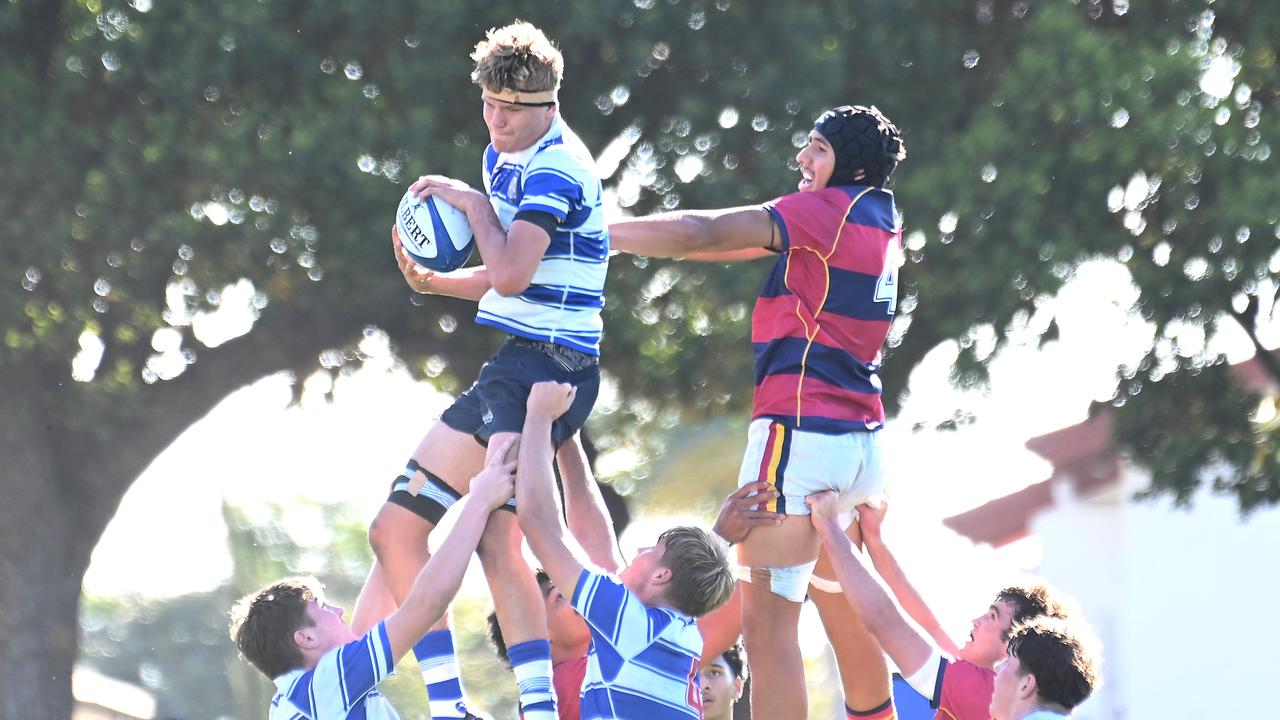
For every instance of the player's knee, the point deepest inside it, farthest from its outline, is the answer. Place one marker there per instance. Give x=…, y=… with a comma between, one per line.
x=389, y=535
x=380, y=537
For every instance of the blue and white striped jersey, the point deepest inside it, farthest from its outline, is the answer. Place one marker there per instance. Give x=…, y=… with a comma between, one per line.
x=341, y=686
x=644, y=662
x=556, y=175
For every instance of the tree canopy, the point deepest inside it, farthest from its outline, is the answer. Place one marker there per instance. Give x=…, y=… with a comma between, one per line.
x=164, y=162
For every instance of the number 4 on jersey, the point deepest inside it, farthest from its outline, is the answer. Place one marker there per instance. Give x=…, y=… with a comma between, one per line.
x=887, y=285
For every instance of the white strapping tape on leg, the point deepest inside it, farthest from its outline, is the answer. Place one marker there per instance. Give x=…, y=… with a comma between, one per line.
x=817, y=582
x=791, y=583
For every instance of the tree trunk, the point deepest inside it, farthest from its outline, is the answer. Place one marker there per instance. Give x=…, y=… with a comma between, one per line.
x=40, y=570
x=59, y=488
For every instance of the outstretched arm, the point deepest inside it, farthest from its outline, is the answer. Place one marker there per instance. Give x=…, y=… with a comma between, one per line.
x=870, y=520
x=538, y=508
x=905, y=644
x=438, y=581
x=730, y=234
x=585, y=509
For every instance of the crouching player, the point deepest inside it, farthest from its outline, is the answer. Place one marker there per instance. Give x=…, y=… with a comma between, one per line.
x=645, y=650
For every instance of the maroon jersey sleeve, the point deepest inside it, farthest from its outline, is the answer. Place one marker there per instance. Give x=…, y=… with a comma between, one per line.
x=807, y=220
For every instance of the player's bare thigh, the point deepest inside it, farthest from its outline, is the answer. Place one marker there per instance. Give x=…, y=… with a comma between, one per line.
x=794, y=542
x=453, y=456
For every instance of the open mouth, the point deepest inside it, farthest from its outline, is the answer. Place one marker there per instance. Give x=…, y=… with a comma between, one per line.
x=806, y=178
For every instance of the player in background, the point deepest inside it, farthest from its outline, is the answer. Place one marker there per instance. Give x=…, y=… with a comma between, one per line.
x=723, y=677
x=817, y=331
x=324, y=671
x=540, y=231
x=1052, y=667
x=956, y=679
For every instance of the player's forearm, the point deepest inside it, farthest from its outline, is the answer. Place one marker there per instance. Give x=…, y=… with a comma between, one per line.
x=539, y=513
x=908, y=597
x=491, y=239
x=468, y=283
x=904, y=644
x=438, y=581
x=585, y=509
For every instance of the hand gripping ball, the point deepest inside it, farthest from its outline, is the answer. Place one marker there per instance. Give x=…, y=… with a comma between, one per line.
x=435, y=234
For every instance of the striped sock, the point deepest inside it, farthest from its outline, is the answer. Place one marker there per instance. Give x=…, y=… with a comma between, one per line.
x=531, y=662
x=439, y=666
x=883, y=712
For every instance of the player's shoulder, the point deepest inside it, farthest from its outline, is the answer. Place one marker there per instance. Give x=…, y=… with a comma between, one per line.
x=564, y=151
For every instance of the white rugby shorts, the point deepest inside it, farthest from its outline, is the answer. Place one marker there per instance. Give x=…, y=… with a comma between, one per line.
x=798, y=463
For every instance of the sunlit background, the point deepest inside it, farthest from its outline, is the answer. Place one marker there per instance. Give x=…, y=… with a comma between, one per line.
x=214, y=321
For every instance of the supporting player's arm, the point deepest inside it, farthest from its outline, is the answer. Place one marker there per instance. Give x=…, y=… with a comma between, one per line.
x=539, y=509
x=438, y=581
x=733, y=234
x=585, y=509
x=721, y=627
x=869, y=520
x=511, y=257
x=468, y=283
x=904, y=643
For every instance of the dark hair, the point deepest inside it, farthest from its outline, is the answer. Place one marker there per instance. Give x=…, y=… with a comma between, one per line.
x=1060, y=656
x=735, y=658
x=701, y=578
x=263, y=624
x=1033, y=600
x=863, y=140
x=495, y=630
x=495, y=637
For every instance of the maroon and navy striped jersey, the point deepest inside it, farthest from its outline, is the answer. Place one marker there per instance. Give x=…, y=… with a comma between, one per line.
x=825, y=310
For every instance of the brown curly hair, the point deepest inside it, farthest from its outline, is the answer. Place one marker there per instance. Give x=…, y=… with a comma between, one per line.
x=517, y=57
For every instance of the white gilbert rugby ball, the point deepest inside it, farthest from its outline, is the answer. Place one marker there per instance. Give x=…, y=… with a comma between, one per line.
x=435, y=234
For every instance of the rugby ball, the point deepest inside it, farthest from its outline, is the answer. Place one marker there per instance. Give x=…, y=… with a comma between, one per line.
x=435, y=234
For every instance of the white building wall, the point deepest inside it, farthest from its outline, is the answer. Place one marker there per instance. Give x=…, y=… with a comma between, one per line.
x=1183, y=600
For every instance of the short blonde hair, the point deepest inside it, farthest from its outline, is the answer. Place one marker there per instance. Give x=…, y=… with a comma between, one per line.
x=701, y=577
x=517, y=57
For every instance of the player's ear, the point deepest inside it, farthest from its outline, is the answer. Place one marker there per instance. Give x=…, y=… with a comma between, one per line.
x=304, y=638
x=1027, y=686
x=661, y=575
